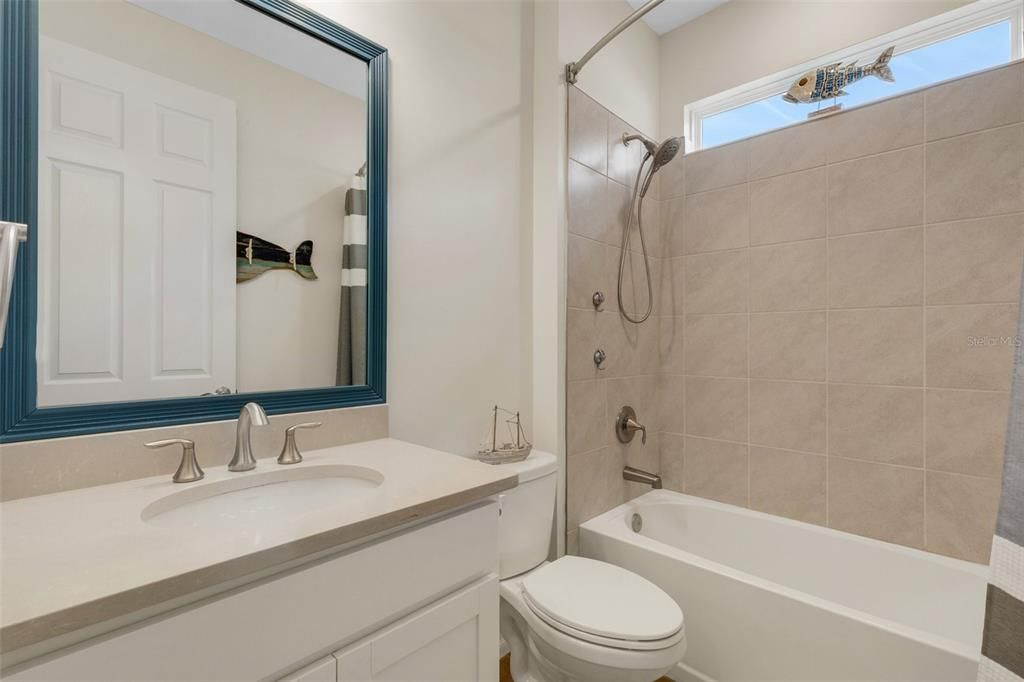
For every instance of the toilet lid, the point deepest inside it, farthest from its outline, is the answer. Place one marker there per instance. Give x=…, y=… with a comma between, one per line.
x=602, y=599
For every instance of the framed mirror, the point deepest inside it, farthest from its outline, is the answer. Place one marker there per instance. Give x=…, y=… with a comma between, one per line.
x=205, y=188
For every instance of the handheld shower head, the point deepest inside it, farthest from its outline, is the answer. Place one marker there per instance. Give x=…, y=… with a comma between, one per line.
x=659, y=155
x=666, y=151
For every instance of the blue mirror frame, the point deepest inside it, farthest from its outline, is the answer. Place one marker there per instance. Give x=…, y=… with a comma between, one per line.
x=20, y=418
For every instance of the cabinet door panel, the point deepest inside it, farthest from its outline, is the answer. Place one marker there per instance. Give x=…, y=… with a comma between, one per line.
x=448, y=657
x=453, y=640
x=423, y=628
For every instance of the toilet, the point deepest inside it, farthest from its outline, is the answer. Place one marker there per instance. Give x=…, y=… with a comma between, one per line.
x=575, y=619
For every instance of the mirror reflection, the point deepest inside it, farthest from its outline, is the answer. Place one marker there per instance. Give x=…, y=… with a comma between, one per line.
x=202, y=203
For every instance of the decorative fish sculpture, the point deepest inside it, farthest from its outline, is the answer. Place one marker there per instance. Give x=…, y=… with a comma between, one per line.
x=254, y=256
x=828, y=81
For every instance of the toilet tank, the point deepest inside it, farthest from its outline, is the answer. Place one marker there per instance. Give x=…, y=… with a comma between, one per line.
x=527, y=514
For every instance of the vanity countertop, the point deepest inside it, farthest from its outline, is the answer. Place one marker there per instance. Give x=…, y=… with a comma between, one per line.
x=74, y=559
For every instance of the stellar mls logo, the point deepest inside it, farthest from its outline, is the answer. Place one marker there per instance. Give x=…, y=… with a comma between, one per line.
x=989, y=341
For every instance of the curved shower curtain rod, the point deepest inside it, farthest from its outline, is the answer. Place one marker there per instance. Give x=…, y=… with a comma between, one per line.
x=572, y=69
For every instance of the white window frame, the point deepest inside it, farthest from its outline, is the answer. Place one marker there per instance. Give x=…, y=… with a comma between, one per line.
x=933, y=30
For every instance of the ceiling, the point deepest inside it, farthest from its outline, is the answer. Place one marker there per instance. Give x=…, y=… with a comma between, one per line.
x=674, y=13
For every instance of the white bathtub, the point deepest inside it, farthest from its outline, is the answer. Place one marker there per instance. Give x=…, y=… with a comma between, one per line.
x=766, y=598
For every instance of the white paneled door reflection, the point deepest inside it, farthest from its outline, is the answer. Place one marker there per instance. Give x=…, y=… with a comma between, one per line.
x=136, y=233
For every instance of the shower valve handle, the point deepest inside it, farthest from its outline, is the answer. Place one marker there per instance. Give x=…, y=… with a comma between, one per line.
x=626, y=426
x=633, y=425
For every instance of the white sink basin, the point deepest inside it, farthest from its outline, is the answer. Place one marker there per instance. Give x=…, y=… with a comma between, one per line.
x=257, y=500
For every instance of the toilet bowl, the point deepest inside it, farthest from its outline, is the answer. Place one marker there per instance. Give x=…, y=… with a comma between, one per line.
x=575, y=619
x=590, y=636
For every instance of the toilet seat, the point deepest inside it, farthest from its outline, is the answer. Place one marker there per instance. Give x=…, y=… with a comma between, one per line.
x=603, y=604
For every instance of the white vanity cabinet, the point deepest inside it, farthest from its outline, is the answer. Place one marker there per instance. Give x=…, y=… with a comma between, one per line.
x=420, y=603
x=452, y=640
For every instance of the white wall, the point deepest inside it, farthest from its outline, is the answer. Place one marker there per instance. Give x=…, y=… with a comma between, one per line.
x=549, y=233
x=625, y=76
x=291, y=183
x=745, y=40
x=472, y=321
x=455, y=296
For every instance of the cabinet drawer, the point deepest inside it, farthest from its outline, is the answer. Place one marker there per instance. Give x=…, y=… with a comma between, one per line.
x=261, y=630
x=452, y=640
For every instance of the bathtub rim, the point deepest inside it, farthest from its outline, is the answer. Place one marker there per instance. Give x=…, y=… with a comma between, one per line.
x=612, y=523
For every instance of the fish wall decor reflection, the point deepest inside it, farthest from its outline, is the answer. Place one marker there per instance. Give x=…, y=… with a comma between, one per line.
x=827, y=82
x=254, y=256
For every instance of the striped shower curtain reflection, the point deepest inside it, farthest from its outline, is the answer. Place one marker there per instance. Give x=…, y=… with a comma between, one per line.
x=352, y=322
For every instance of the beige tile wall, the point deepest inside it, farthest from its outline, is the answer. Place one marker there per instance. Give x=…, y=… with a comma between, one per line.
x=601, y=173
x=836, y=318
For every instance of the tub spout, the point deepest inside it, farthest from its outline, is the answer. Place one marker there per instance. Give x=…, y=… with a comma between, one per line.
x=640, y=476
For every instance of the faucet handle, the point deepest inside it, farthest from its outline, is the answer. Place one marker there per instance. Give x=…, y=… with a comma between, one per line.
x=634, y=425
x=626, y=426
x=290, y=452
x=189, y=469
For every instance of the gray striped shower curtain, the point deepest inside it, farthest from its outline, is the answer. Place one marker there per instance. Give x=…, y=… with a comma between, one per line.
x=352, y=322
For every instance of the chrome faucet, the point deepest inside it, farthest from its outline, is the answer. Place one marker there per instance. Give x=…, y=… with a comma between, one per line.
x=251, y=414
x=640, y=476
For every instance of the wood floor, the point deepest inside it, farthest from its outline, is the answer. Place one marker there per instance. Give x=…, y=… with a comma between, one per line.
x=505, y=675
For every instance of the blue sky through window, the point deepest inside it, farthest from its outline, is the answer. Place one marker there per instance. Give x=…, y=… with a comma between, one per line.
x=957, y=56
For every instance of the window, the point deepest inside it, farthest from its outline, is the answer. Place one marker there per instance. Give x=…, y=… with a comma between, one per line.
x=964, y=41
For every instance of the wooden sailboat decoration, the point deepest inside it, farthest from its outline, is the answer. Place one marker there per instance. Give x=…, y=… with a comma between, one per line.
x=516, y=449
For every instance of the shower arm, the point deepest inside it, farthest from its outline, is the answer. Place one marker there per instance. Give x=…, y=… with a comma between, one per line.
x=572, y=69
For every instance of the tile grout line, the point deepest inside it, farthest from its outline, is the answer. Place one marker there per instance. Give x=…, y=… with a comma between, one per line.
x=924, y=325
x=682, y=333
x=838, y=310
x=905, y=387
x=828, y=309
x=747, y=316
x=857, y=233
x=968, y=133
x=848, y=458
x=680, y=324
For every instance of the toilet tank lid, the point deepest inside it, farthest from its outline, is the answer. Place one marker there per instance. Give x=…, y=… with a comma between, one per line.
x=538, y=464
